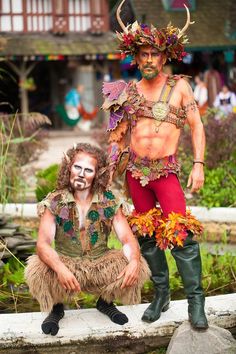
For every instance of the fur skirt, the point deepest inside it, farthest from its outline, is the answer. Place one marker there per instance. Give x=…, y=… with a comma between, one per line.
x=98, y=277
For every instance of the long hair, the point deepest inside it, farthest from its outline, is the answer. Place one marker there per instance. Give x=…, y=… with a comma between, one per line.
x=102, y=174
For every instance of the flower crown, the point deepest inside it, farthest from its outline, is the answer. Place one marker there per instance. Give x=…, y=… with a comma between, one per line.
x=169, y=40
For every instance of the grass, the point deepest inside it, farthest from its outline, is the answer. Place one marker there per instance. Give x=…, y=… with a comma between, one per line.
x=219, y=277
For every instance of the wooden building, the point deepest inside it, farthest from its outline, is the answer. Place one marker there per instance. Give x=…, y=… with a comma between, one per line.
x=52, y=45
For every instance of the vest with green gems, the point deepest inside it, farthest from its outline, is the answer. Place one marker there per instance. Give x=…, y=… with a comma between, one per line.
x=91, y=242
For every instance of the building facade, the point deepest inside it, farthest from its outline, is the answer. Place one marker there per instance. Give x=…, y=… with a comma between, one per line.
x=51, y=46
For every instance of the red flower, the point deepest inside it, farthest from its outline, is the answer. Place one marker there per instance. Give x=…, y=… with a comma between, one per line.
x=147, y=30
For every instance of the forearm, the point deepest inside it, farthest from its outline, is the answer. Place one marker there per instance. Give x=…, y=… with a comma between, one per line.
x=49, y=256
x=198, y=141
x=131, y=250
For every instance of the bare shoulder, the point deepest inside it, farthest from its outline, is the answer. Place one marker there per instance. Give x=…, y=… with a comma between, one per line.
x=184, y=86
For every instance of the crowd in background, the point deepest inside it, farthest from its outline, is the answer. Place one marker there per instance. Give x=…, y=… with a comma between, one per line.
x=210, y=91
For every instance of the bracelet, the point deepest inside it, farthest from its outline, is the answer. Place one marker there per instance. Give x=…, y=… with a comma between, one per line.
x=202, y=162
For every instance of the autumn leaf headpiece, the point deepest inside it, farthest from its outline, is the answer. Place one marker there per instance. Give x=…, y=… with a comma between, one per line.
x=169, y=40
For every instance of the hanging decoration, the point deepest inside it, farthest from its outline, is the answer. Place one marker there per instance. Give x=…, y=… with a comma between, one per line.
x=59, y=57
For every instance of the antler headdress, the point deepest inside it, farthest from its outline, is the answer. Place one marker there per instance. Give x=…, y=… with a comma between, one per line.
x=169, y=40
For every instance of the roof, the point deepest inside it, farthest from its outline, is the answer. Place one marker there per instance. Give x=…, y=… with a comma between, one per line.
x=49, y=44
x=215, y=21
x=214, y=28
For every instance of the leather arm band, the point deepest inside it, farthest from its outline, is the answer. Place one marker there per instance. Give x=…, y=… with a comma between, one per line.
x=196, y=161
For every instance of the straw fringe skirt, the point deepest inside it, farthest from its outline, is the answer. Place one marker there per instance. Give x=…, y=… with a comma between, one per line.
x=98, y=277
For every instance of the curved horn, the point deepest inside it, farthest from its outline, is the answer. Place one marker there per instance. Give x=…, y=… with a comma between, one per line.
x=118, y=17
x=66, y=157
x=188, y=22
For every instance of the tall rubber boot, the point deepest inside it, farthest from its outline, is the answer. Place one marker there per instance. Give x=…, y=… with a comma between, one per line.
x=156, y=260
x=189, y=265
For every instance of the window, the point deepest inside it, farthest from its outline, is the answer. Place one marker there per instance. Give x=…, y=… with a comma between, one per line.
x=178, y=5
x=79, y=15
x=38, y=15
x=58, y=16
x=11, y=18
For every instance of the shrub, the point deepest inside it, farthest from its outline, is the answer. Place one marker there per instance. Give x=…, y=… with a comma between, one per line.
x=20, y=141
x=220, y=187
x=220, y=170
x=46, y=181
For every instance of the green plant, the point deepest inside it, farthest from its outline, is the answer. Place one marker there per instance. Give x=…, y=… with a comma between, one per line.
x=158, y=351
x=46, y=181
x=220, y=169
x=12, y=273
x=219, y=189
x=17, y=142
x=219, y=272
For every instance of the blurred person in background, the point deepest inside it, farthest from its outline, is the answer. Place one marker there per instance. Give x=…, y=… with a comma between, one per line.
x=213, y=84
x=73, y=102
x=200, y=94
x=225, y=101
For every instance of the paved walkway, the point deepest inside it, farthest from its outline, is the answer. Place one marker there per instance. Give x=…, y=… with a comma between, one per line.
x=59, y=142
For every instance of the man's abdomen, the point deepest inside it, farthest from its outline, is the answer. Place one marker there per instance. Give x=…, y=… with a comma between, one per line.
x=151, y=139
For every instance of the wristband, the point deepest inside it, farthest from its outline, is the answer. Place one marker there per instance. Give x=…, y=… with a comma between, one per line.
x=202, y=162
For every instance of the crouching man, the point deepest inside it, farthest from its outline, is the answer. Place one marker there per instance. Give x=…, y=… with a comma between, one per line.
x=79, y=216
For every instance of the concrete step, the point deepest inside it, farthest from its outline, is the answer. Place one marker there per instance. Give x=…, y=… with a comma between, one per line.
x=88, y=331
x=219, y=215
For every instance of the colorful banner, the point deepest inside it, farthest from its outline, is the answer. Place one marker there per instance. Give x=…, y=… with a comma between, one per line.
x=52, y=57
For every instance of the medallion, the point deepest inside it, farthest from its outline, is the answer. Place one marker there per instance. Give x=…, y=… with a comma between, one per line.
x=160, y=110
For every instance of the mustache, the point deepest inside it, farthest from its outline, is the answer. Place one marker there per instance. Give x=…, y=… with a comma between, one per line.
x=79, y=179
x=147, y=66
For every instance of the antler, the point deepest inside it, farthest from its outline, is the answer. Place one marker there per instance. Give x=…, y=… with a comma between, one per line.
x=188, y=22
x=118, y=17
x=66, y=157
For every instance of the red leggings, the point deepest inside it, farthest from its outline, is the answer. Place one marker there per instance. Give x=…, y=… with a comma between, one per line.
x=165, y=190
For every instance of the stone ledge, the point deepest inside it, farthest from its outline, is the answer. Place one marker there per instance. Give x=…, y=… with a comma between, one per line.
x=202, y=213
x=88, y=331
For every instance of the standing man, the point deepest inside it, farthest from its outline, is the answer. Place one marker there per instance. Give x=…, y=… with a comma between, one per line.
x=79, y=216
x=145, y=124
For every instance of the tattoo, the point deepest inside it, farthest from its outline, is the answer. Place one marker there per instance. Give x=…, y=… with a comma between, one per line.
x=190, y=106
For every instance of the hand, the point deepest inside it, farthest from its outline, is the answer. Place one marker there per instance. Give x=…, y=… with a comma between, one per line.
x=196, y=178
x=68, y=280
x=130, y=274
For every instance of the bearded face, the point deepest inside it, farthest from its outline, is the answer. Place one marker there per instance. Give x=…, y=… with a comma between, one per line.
x=83, y=172
x=150, y=62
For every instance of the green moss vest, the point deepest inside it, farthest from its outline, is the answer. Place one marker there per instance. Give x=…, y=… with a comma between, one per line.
x=69, y=240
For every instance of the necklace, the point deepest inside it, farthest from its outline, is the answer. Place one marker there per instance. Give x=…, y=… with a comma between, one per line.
x=160, y=110
x=157, y=126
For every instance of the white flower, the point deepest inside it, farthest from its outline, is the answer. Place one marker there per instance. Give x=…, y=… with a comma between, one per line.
x=135, y=26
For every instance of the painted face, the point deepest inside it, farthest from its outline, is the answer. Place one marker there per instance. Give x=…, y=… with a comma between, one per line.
x=150, y=62
x=83, y=171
